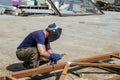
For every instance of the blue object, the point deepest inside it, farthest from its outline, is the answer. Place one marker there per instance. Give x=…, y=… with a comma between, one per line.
x=55, y=57
x=53, y=25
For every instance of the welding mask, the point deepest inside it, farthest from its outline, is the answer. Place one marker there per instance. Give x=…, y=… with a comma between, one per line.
x=54, y=34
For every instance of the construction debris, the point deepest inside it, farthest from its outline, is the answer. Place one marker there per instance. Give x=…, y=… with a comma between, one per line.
x=81, y=62
x=109, y=6
x=2, y=10
x=61, y=7
x=115, y=78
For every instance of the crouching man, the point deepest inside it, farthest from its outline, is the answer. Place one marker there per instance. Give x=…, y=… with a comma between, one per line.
x=35, y=49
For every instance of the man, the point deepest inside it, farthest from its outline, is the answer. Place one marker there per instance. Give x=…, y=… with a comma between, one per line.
x=35, y=49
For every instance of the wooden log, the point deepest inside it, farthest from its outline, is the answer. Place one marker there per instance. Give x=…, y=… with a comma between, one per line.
x=64, y=72
x=114, y=78
x=95, y=64
x=49, y=68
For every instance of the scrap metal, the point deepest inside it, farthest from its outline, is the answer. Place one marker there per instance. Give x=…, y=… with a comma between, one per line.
x=107, y=6
x=114, y=78
x=49, y=68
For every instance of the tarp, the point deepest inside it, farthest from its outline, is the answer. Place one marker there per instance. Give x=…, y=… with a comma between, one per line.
x=5, y=2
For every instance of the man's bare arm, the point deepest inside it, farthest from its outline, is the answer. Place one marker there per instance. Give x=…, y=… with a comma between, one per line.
x=48, y=48
x=42, y=51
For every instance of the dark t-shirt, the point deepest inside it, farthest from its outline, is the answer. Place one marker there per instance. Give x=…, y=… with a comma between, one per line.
x=34, y=38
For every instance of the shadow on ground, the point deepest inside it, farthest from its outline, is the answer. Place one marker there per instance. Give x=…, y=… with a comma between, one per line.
x=56, y=75
x=15, y=67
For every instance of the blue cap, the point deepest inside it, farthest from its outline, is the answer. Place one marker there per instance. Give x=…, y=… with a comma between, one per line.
x=53, y=25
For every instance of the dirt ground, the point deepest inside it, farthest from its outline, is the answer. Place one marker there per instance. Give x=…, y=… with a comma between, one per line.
x=82, y=36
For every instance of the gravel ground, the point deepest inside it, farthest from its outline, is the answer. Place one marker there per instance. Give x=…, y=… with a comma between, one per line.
x=83, y=36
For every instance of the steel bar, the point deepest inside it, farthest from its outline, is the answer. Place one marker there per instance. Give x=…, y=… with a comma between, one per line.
x=97, y=7
x=64, y=15
x=115, y=56
x=54, y=7
x=107, y=69
x=11, y=78
x=115, y=78
x=49, y=68
x=96, y=64
x=97, y=58
x=64, y=72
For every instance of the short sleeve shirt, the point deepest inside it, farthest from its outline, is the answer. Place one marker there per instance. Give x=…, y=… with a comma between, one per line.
x=34, y=38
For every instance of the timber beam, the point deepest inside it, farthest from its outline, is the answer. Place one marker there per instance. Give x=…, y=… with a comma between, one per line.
x=49, y=68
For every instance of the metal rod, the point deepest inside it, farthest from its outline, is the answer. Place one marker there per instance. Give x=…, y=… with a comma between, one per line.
x=54, y=7
x=49, y=68
x=115, y=56
x=64, y=72
x=11, y=78
x=96, y=64
x=115, y=78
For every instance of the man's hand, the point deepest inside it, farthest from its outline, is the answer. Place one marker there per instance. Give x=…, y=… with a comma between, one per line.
x=55, y=57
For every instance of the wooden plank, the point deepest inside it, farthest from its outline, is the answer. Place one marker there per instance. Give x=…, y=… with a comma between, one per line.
x=49, y=68
x=64, y=72
x=114, y=78
x=95, y=64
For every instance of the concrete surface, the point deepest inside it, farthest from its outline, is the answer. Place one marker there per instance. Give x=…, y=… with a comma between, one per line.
x=82, y=36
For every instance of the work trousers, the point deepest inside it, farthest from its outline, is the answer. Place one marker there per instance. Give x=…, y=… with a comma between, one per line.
x=31, y=57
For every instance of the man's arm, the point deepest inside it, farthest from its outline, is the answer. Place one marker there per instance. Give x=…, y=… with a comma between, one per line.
x=53, y=56
x=42, y=51
x=48, y=48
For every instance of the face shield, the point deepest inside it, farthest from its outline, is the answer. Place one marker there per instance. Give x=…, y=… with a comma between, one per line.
x=54, y=34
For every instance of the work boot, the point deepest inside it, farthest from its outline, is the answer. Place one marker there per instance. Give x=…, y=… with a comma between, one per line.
x=26, y=65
